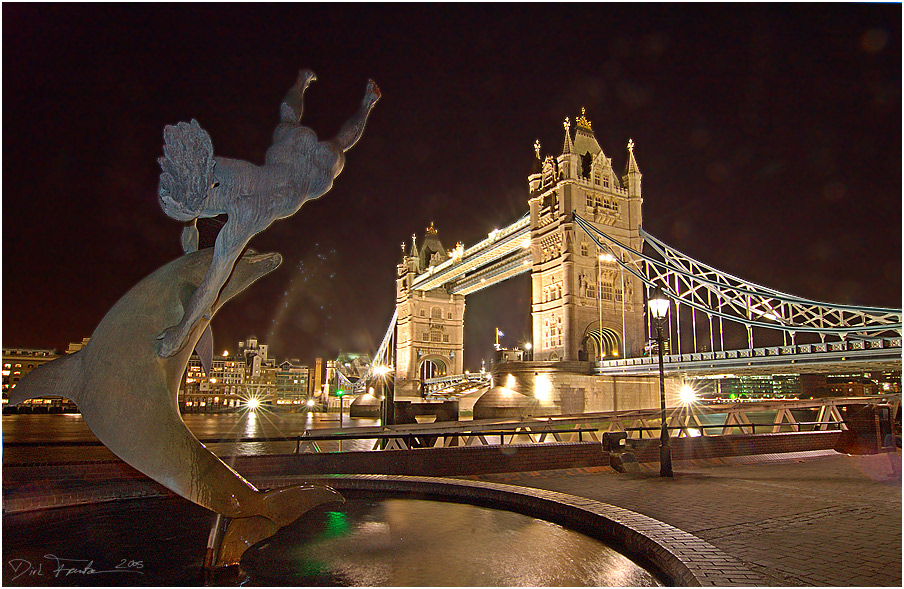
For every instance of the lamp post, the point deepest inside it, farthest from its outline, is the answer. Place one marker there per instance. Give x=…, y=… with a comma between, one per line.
x=659, y=307
x=385, y=417
x=527, y=348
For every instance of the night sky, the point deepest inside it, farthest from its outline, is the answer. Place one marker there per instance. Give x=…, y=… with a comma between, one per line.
x=769, y=137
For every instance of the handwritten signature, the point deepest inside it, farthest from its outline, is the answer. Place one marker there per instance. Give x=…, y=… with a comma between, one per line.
x=56, y=567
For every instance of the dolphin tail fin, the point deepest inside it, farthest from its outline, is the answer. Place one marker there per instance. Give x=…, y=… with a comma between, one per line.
x=57, y=377
x=284, y=505
x=280, y=507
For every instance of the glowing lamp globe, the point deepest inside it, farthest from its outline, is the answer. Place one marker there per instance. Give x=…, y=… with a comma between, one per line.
x=659, y=304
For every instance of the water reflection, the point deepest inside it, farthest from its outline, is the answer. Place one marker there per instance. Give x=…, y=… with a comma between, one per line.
x=406, y=542
x=261, y=423
x=391, y=542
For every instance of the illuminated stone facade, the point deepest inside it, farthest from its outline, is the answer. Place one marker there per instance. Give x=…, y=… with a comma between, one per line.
x=570, y=283
x=430, y=325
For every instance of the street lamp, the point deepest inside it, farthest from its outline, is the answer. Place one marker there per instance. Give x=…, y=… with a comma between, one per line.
x=340, y=393
x=527, y=348
x=659, y=307
x=381, y=372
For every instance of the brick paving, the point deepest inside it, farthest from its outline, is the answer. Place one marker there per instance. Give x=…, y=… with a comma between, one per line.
x=807, y=519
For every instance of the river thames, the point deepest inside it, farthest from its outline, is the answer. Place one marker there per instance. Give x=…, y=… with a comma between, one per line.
x=68, y=428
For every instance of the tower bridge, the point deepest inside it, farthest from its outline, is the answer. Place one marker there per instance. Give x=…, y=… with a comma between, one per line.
x=593, y=268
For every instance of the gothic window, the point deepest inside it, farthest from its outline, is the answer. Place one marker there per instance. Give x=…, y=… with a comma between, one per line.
x=618, y=294
x=559, y=290
x=547, y=341
x=606, y=181
x=591, y=291
x=586, y=161
x=425, y=336
x=436, y=313
x=584, y=249
x=596, y=179
x=606, y=291
x=559, y=331
x=589, y=199
x=449, y=315
x=445, y=339
x=423, y=313
x=436, y=337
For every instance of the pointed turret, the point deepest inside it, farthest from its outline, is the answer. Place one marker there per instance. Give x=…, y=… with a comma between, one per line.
x=569, y=146
x=413, y=258
x=631, y=179
x=535, y=178
x=537, y=166
x=431, y=247
x=584, y=139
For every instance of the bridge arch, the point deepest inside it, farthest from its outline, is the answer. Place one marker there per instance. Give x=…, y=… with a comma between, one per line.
x=605, y=340
x=432, y=366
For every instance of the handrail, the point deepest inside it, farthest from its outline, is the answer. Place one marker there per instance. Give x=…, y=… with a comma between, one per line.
x=752, y=426
x=322, y=437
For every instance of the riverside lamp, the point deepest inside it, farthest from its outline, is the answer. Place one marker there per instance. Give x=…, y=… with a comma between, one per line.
x=659, y=307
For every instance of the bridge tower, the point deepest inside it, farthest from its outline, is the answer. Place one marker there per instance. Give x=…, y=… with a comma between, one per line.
x=430, y=324
x=572, y=286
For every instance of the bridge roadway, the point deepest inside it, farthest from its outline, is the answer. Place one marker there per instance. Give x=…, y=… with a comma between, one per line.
x=867, y=355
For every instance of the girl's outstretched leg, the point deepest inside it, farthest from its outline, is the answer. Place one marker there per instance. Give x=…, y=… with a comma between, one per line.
x=353, y=128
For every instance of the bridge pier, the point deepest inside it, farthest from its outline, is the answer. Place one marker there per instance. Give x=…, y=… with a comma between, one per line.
x=566, y=388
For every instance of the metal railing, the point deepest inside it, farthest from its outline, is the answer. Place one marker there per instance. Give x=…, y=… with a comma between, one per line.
x=570, y=428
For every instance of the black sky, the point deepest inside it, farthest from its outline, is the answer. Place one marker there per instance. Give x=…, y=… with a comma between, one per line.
x=769, y=137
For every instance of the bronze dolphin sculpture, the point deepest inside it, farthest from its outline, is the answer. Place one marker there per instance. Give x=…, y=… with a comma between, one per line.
x=127, y=395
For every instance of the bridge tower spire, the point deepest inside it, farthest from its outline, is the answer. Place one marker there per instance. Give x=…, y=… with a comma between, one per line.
x=631, y=179
x=583, y=306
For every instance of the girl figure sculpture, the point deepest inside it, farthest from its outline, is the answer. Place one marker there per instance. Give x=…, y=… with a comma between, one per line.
x=195, y=184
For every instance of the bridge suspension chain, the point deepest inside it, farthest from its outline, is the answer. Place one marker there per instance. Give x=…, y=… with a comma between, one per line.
x=719, y=294
x=383, y=355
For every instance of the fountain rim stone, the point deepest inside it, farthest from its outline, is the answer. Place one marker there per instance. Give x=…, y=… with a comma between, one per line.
x=676, y=556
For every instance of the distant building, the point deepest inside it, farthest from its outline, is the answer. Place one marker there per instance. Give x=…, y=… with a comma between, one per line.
x=317, y=378
x=235, y=379
x=292, y=383
x=218, y=391
x=779, y=386
x=17, y=362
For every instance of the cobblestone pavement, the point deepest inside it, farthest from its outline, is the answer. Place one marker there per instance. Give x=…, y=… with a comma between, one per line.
x=813, y=519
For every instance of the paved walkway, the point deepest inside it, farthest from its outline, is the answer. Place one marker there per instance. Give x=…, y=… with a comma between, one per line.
x=813, y=519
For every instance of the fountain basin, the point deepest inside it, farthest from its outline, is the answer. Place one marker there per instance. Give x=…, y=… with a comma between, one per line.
x=168, y=536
